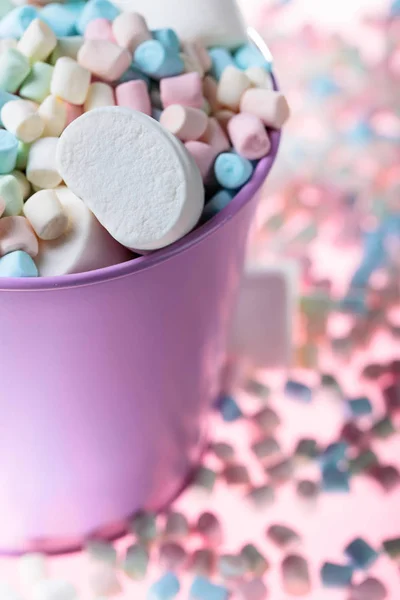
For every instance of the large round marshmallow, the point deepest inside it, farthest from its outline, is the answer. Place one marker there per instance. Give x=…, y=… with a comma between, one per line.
x=85, y=246
x=136, y=177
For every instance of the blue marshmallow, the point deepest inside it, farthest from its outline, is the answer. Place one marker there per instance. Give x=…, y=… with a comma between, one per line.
x=334, y=454
x=216, y=204
x=133, y=74
x=157, y=61
x=220, y=59
x=166, y=588
x=229, y=409
x=335, y=480
x=15, y=22
x=203, y=589
x=361, y=554
x=336, y=576
x=62, y=18
x=96, y=9
x=168, y=38
x=18, y=264
x=250, y=56
x=360, y=407
x=298, y=391
x=8, y=151
x=232, y=171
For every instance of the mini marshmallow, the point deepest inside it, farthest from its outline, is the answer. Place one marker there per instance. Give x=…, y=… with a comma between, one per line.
x=61, y=18
x=67, y=47
x=16, y=21
x=130, y=30
x=203, y=155
x=185, y=89
x=255, y=562
x=232, y=171
x=104, y=59
x=203, y=562
x=203, y=589
x=54, y=589
x=157, y=61
x=53, y=113
x=204, y=479
x=41, y=169
x=168, y=38
x=136, y=562
x=221, y=59
x=176, y=526
x=210, y=91
x=165, y=588
x=236, y=474
x=215, y=136
x=22, y=155
x=70, y=81
x=85, y=245
x=250, y=56
x=20, y=118
x=17, y=234
x=144, y=526
x=101, y=551
x=23, y=183
x=295, y=576
x=14, y=68
x=282, y=536
x=103, y=580
x=231, y=566
x=156, y=188
x=38, y=41
x=232, y=85
x=36, y=86
x=261, y=497
x=8, y=151
x=210, y=529
x=99, y=94
x=100, y=29
x=223, y=451
x=217, y=203
x=11, y=194
x=172, y=556
x=32, y=569
x=271, y=107
x=73, y=112
x=260, y=78
x=134, y=95
x=46, y=215
x=248, y=136
x=16, y=264
x=95, y=9
x=187, y=124
x=252, y=589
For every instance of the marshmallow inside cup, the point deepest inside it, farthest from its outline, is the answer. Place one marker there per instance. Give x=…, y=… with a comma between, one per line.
x=136, y=177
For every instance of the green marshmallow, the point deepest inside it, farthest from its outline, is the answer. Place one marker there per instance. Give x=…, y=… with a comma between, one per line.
x=10, y=191
x=22, y=156
x=36, y=86
x=14, y=68
x=66, y=46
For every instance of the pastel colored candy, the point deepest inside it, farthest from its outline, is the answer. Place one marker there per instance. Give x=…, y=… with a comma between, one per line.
x=11, y=195
x=99, y=94
x=217, y=203
x=203, y=589
x=144, y=526
x=16, y=21
x=184, y=89
x=232, y=85
x=336, y=576
x=282, y=536
x=22, y=155
x=101, y=551
x=215, y=136
x=249, y=137
x=361, y=554
x=295, y=575
x=176, y=526
x=134, y=95
x=4, y=98
x=20, y=118
x=185, y=123
x=70, y=81
x=73, y=112
x=36, y=86
x=100, y=29
x=271, y=107
x=17, y=234
x=17, y=264
x=203, y=155
x=95, y=9
x=210, y=529
x=223, y=117
x=41, y=169
x=254, y=560
x=231, y=566
x=232, y=171
x=53, y=113
x=61, y=17
x=167, y=183
x=210, y=91
x=136, y=562
x=104, y=59
x=221, y=58
x=66, y=46
x=260, y=78
x=168, y=38
x=198, y=52
x=14, y=68
x=23, y=183
x=252, y=589
x=8, y=151
x=46, y=215
x=166, y=588
x=37, y=42
x=250, y=56
x=85, y=246
x=130, y=30
x=171, y=556
x=191, y=59
x=156, y=60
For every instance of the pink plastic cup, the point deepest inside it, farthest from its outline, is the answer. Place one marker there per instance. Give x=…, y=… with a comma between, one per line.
x=107, y=379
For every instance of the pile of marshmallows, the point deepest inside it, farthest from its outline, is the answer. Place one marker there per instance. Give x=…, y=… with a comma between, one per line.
x=116, y=139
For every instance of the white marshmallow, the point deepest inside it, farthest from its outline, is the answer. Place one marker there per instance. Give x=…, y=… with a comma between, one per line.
x=41, y=170
x=54, y=589
x=38, y=41
x=260, y=78
x=214, y=23
x=32, y=569
x=54, y=116
x=130, y=30
x=85, y=246
x=155, y=188
x=99, y=95
x=23, y=184
x=45, y=213
x=20, y=118
x=70, y=81
x=232, y=86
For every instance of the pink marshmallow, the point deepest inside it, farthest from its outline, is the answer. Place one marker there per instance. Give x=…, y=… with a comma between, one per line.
x=104, y=59
x=134, y=95
x=210, y=91
x=248, y=136
x=185, y=89
x=2, y=205
x=186, y=123
x=17, y=234
x=215, y=137
x=100, y=29
x=130, y=30
x=73, y=112
x=204, y=156
x=269, y=106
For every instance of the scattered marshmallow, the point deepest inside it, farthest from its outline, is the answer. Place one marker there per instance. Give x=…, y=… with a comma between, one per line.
x=295, y=576
x=271, y=107
x=99, y=95
x=37, y=42
x=17, y=234
x=134, y=95
x=11, y=196
x=41, y=169
x=53, y=113
x=104, y=59
x=136, y=562
x=187, y=124
x=21, y=118
x=232, y=85
x=248, y=136
x=130, y=30
x=70, y=81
